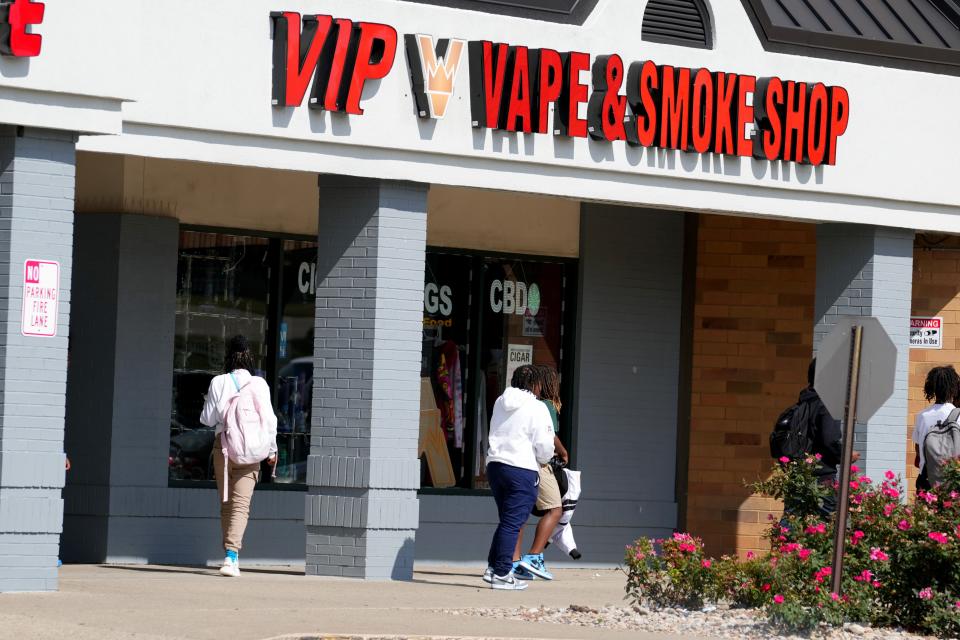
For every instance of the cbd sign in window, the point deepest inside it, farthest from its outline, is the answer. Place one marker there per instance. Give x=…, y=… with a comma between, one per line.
x=41, y=293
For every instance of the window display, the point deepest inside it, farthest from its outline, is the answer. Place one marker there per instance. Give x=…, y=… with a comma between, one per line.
x=444, y=371
x=237, y=284
x=483, y=317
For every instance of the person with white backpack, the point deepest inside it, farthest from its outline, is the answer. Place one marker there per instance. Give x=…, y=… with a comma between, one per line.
x=238, y=405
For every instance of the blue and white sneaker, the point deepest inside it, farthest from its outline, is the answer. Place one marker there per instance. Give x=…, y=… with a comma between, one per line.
x=520, y=573
x=230, y=568
x=535, y=565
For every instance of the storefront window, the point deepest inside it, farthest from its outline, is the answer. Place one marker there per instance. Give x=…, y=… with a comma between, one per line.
x=237, y=284
x=506, y=311
x=444, y=372
x=295, y=360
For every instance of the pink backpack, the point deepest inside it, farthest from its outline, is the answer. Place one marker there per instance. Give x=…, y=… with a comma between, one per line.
x=245, y=438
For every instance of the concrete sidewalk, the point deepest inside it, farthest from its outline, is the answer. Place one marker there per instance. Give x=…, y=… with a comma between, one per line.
x=154, y=603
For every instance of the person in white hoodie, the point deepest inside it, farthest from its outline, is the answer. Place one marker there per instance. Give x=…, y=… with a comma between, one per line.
x=243, y=479
x=520, y=440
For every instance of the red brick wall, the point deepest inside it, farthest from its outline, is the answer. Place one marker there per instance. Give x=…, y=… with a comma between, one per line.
x=752, y=342
x=936, y=292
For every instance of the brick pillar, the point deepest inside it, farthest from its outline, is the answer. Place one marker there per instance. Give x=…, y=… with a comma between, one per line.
x=866, y=270
x=36, y=221
x=363, y=472
x=119, y=384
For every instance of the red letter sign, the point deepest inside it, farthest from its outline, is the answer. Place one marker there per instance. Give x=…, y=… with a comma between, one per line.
x=15, y=17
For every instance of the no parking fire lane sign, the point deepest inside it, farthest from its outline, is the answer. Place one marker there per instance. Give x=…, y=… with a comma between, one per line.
x=41, y=293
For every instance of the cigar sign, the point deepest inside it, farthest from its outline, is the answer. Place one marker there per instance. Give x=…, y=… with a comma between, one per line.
x=515, y=88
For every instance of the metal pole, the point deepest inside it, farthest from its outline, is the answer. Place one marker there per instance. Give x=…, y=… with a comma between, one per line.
x=849, y=424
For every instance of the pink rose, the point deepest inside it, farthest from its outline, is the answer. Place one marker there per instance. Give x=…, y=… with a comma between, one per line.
x=766, y=587
x=834, y=597
x=803, y=554
x=749, y=555
x=854, y=468
x=778, y=599
x=889, y=475
x=705, y=564
x=877, y=554
x=936, y=536
x=925, y=594
x=903, y=525
x=785, y=460
x=818, y=456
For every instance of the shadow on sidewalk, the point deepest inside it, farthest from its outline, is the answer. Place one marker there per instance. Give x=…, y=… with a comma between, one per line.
x=445, y=573
x=198, y=570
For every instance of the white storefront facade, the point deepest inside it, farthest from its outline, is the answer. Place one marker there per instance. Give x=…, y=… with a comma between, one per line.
x=195, y=175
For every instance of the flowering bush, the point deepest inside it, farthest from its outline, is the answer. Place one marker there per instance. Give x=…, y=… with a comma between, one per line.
x=901, y=563
x=677, y=574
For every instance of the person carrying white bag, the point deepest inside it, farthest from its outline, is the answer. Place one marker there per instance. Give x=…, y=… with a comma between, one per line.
x=238, y=405
x=562, y=535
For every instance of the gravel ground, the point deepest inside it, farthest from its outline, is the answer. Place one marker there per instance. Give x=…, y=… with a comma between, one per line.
x=720, y=623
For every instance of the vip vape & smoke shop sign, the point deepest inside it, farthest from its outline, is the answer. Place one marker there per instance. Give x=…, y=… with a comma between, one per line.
x=514, y=88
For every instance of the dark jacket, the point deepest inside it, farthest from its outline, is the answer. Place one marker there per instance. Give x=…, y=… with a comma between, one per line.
x=827, y=436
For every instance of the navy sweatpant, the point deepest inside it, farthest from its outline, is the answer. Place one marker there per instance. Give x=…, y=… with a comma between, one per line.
x=515, y=491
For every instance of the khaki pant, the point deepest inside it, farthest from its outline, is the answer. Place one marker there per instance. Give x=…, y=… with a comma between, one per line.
x=548, y=495
x=236, y=510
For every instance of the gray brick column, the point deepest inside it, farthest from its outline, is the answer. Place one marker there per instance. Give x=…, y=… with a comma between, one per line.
x=866, y=270
x=120, y=379
x=363, y=471
x=36, y=221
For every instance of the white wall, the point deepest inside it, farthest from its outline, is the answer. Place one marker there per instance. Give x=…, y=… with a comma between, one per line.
x=200, y=76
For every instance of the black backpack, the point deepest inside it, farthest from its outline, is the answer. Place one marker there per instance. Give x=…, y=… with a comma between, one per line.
x=792, y=435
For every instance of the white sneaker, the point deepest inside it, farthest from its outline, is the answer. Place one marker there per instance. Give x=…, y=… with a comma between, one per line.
x=230, y=568
x=488, y=575
x=507, y=583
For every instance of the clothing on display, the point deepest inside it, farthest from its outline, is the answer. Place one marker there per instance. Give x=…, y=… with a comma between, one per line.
x=480, y=436
x=449, y=391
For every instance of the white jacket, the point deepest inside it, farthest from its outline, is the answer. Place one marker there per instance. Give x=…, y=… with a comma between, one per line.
x=521, y=431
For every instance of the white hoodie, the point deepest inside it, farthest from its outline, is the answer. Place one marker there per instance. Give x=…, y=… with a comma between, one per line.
x=521, y=431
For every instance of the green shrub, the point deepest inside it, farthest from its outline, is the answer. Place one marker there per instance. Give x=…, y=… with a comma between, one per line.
x=901, y=562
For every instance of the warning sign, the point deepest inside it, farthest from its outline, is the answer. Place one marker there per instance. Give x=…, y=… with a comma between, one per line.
x=926, y=333
x=41, y=292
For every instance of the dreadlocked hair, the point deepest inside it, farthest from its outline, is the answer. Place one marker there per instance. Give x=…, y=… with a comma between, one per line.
x=238, y=355
x=526, y=378
x=942, y=385
x=550, y=386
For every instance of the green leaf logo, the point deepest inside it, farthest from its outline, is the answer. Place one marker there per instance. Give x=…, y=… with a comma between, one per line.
x=533, y=300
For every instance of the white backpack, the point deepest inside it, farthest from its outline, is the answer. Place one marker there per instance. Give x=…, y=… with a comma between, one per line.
x=245, y=438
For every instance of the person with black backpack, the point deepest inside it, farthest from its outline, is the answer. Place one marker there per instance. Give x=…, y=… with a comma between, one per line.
x=807, y=428
x=942, y=386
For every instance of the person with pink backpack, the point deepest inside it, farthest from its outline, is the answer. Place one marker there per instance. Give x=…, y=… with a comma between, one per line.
x=238, y=405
